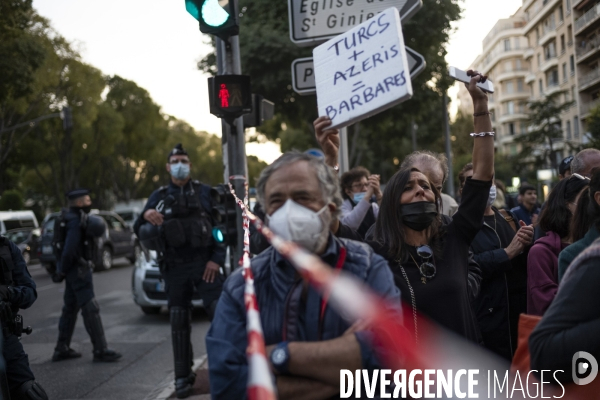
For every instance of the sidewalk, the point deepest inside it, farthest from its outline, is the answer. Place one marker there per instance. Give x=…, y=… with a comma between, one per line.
x=201, y=390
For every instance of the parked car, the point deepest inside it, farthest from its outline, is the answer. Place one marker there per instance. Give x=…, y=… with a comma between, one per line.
x=148, y=287
x=118, y=241
x=27, y=240
x=10, y=220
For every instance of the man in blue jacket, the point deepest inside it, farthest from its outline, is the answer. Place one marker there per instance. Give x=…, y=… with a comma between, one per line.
x=190, y=258
x=308, y=342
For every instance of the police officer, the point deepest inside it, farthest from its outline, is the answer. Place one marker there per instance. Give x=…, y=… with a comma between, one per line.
x=189, y=259
x=17, y=291
x=74, y=266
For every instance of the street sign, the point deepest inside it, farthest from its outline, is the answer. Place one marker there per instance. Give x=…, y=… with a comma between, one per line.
x=303, y=71
x=316, y=21
x=363, y=71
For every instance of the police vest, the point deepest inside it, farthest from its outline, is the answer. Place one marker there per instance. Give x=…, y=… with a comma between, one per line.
x=186, y=222
x=6, y=262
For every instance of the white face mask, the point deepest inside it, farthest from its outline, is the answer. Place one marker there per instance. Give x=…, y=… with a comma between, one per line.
x=492, y=196
x=300, y=225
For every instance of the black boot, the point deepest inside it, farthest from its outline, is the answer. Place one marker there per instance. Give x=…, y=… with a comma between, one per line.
x=31, y=390
x=66, y=326
x=93, y=325
x=182, y=351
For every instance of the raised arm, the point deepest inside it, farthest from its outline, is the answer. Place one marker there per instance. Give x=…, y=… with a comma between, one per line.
x=483, y=146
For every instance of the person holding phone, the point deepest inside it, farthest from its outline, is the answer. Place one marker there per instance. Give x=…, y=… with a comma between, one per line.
x=362, y=196
x=429, y=257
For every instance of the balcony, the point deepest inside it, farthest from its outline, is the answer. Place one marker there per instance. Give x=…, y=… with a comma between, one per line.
x=589, y=79
x=515, y=73
x=550, y=62
x=530, y=78
x=588, y=106
x=548, y=33
x=519, y=116
x=529, y=52
x=587, y=19
x=492, y=59
x=515, y=95
x=552, y=88
x=539, y=10
x=587, y=48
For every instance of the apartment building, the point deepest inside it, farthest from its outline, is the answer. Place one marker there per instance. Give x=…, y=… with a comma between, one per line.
x=547, y=46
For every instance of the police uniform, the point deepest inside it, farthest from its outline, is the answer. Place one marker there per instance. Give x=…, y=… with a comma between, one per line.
x=75, y=265
x=188, y=247
x=17, y=291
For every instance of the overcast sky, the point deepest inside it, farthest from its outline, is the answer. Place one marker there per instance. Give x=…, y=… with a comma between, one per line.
x=157, y=44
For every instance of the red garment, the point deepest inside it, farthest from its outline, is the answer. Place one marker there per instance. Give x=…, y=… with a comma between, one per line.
x=542, y=273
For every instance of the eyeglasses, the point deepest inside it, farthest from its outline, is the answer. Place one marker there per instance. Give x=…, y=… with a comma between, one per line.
x=426, y=269
x=175, y=161
x=360, y=185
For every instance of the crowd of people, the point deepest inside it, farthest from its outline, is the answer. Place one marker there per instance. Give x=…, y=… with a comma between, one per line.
x=472, y=268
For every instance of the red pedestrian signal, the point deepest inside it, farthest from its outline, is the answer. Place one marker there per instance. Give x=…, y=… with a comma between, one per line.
x=224, y=96
x=230, y=96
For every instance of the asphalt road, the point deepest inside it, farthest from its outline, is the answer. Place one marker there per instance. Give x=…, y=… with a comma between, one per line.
x=145, y=342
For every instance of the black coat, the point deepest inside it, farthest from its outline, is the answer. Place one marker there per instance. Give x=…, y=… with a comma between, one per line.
x=503, y=288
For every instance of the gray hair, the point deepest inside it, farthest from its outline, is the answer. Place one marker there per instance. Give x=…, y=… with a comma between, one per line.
x=578, y=163
x=426, y=156
x=328, y=179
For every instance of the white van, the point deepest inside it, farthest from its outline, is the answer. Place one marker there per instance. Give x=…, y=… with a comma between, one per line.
x=10, y=220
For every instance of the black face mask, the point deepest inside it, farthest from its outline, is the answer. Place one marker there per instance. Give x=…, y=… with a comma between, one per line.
x=86, y=209
x=418, y=216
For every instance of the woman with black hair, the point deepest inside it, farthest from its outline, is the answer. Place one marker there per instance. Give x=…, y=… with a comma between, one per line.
x=585, y=227
x=429, y=259
x=542, y=262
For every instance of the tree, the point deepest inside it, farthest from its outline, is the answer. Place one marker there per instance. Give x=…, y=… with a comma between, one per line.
x=11, y=200
x=544, y=129
x=267, y=54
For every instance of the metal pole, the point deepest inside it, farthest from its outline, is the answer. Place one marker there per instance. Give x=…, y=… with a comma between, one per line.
x=450, y=181
x=343, y=160
x=233, y=139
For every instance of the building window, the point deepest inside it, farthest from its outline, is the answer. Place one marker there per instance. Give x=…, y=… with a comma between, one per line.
x=513, y=149
x=576, y=127
x=541, y=88
x=550, y=51
x=510, y=107
x=552, y=78
x=570, y=35
x=568, y=130
x=562, y=44
x=523, y=128
x=572, y=61
x=518, y=64
x=509, y=87
x=520, y=85
x=507, y=66
x=506, y=44
x=539, y=58
x=561, y=16
x=517, y=43
x=573, y=93
x=511, y=129
x=568, y=7
x=564, y=72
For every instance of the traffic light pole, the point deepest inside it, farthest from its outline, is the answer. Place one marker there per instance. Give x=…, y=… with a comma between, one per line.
x=233, y=138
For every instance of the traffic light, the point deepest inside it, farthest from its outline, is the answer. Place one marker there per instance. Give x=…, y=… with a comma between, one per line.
x=262, y=110
x=216, y=17
x=224, y=213
x=229, y=96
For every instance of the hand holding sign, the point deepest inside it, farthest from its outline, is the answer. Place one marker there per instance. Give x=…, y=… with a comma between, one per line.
x=363, y=71
x=329, y=139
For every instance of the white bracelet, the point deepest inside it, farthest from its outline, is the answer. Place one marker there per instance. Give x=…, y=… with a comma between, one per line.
x=482, y=134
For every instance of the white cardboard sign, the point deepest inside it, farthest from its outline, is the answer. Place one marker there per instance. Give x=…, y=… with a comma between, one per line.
x=363, y=71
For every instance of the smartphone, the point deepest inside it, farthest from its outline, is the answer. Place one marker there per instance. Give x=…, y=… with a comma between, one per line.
x=462, y=76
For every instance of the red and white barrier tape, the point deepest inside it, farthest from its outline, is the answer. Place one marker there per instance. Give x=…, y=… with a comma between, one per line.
x=260, y=382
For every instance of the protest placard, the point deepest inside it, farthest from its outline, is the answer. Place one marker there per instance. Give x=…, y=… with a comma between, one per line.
x=363, y=71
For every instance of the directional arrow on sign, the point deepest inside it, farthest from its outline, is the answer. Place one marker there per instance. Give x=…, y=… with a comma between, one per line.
x=303, y=72
x=316, y=22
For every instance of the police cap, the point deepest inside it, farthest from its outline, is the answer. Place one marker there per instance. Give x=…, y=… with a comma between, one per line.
x=178, y=150
x=77, y=193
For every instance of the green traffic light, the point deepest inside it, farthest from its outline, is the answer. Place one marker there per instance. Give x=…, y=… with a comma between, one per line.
x=192, y=8
x=213, y=13
x=218, y=235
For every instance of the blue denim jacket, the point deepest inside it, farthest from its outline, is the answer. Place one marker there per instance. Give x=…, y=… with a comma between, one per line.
x=274, y=277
